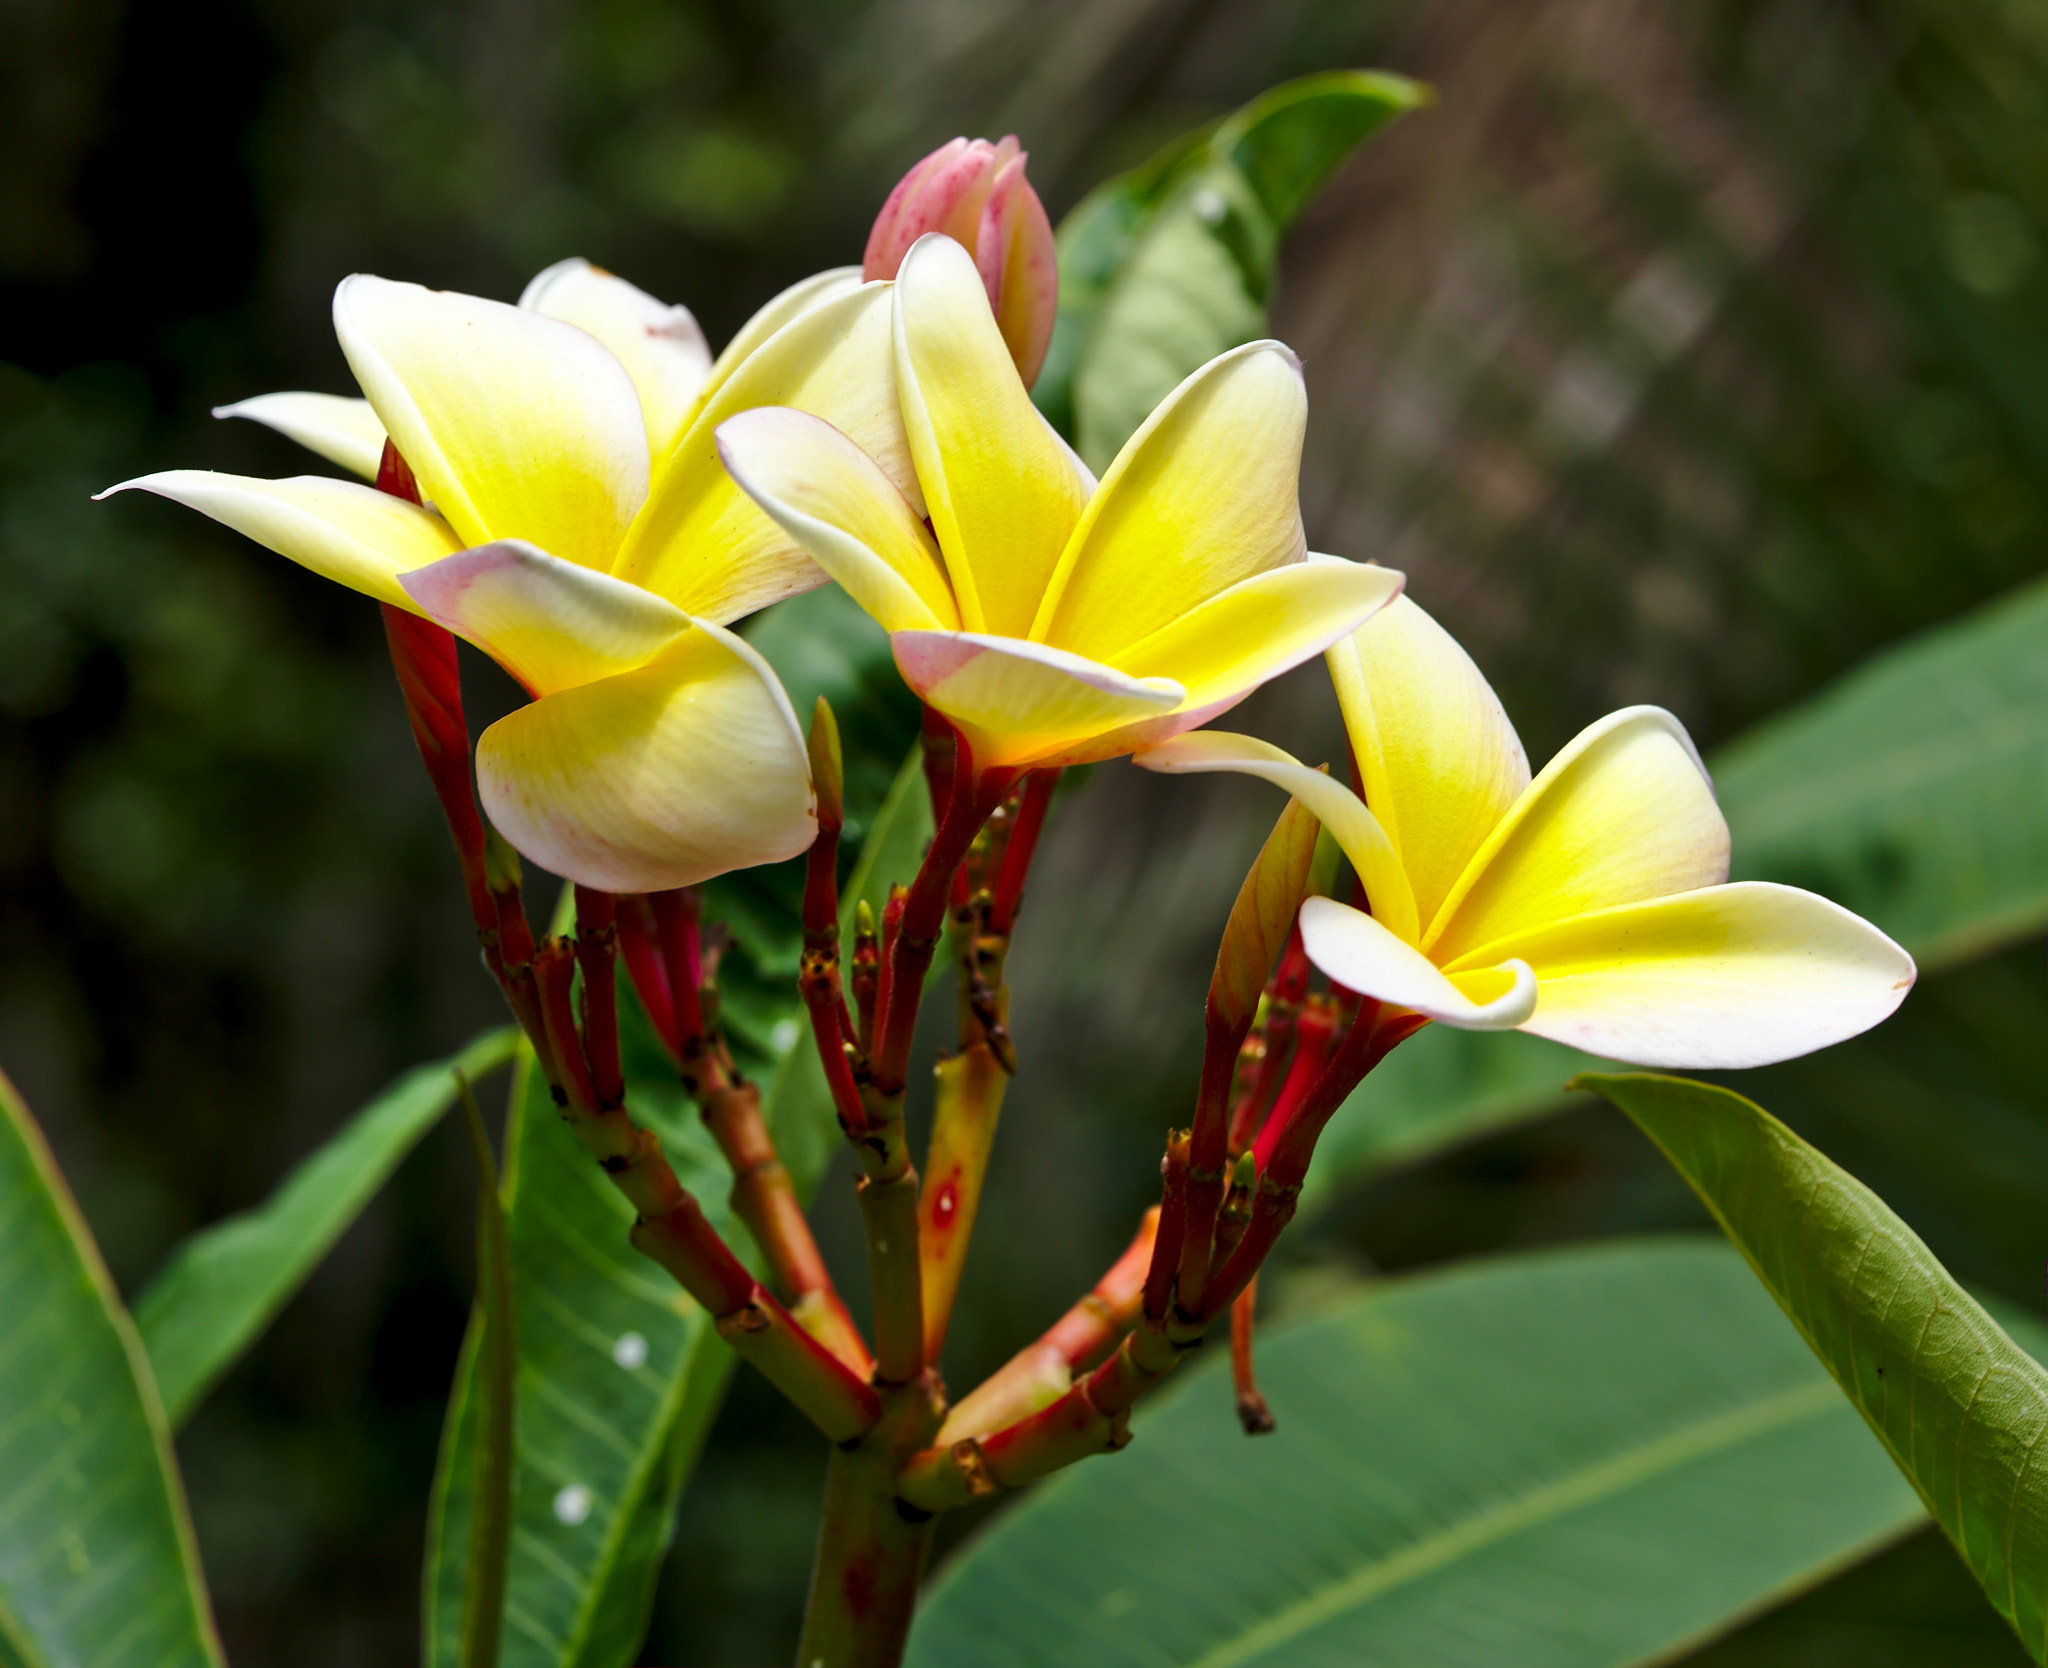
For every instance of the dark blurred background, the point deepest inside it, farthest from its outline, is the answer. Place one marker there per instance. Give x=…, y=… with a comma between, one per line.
x=1682, y=353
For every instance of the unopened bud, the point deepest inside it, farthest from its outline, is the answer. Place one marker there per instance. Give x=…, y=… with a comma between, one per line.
x=976, y=193
x=863, y=919
x=827, y=769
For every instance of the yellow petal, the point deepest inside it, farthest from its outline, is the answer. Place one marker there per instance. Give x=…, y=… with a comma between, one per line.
x=1203, y=496
x=661, y=347
x=1022, y=703
x=516, y=426
x=1339, y=810
x=834, y=500
x=1262, y=626
x=341, y=430
x=701, y=542
x=664, y=776
x=1355, y=951
x=1623, y=814
x=354, y=535
x=1440, y=763
x=800, y=297
x=997, y=483
x=548, y=622
x=1723, y=978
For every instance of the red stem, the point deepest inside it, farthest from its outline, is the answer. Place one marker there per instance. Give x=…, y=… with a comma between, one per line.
x=644, y=966
x=1023, y=846
x=972, y=798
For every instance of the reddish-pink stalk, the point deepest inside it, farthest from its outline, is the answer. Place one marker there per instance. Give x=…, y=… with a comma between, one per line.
x=1023, y=846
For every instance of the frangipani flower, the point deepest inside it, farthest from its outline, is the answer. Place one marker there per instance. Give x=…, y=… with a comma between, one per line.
x=1055, y=621
x=976, y=193
x=578, y=528
x=1589, y=906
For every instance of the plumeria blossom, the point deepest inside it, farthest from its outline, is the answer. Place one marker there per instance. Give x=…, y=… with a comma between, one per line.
x=1590, y=906
x=1051, y=619
x=579, y=528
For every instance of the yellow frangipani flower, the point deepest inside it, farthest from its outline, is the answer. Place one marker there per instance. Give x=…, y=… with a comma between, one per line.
x=579, y=528
x=1052, y=619
x=1590, y=906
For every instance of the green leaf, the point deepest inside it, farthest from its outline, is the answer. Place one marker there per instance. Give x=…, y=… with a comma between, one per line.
x=490, y=1520
x=1164, y=268
x=1960, y=1407
x=1439, y=1088
x=223, y=1286
x=619, y=1371
x=1578, y=1458
x=1915, y=790
x=97, y=1562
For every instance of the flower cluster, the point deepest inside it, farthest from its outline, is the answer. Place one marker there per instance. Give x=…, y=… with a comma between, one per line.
x=578, y=488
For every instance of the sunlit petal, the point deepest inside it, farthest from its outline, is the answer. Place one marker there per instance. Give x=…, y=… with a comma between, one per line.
x=701, y=542
x=516, y=426
x=1441, y=765
x=354, y=535
x=1355, y=951
x=661, y=347
x=1339, y=810
x=1262, y=626
x=800, y=297
x=997, y=484
x=1201, y=497
x=833, y=499
x=664, y=776
x=550, y=623
x=1022, y=703
x=342, y=431
x=1625, y=812
x=1722, y=978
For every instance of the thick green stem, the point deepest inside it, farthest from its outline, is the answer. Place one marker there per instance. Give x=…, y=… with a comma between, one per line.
x=871, y=1545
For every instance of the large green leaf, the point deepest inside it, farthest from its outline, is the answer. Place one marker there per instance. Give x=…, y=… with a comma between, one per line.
x=620, y=1373
x=223, y=1286
x=1439, y=1088
x=1961, y=1408
x=1164, y=268
x=1915, y=790
x=1579, y=1458
x=97, y=1563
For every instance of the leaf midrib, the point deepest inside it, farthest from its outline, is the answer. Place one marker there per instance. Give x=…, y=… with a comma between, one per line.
x=1612, y=1476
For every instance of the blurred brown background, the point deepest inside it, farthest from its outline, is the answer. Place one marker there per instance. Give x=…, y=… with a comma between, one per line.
x=1681, y=353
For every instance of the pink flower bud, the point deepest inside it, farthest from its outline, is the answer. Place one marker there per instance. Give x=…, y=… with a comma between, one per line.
x=976, y=193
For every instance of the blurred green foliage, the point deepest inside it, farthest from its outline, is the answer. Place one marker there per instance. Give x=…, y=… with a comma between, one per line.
x=1679, y=354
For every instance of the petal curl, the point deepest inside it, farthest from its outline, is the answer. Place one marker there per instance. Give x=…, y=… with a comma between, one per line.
x=516, y=426
x=1351, y=825
x=1022, y=703
x=1001, y=494
x=354, y=535
x=1624, y=813
x=684, y=768
x=1357, y=952
x=834, y=500
x=1441, y=765
x=1262, y=626
x=548, y=622
x=662, y=348
x=341, y=430
x=701, y=542
x=1719, y=979
x=806, y=293
x=1204, y=495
